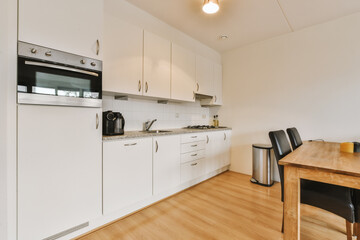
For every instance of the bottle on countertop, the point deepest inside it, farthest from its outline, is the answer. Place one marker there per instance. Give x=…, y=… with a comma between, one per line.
x=216, y=121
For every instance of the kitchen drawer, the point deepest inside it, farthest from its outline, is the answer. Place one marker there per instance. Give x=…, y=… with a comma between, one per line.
x=194, y=137
x=192, y=147
x=192, y=170
x=191, y=156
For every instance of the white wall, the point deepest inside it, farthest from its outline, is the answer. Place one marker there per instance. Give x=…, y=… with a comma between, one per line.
x=8, y=39
x=133, y=15
x=309, y=79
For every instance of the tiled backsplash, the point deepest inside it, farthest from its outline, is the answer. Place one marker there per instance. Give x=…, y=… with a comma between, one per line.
x=170, y=115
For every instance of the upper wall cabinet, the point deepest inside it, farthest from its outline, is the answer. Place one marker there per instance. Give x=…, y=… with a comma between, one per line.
x=183, y=73
x=66, y=25
x=123, y=57
x=156, y=66
x=204, y=76
x=217, y=84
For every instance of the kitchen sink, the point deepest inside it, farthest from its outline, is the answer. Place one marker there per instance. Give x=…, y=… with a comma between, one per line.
x=156, y=131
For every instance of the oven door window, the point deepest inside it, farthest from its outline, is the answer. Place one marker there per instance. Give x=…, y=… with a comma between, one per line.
x=57, y=82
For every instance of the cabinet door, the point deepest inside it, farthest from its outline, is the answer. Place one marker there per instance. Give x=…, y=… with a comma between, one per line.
x=123, y=60
x=70, y=26
x=183, y=74
x=204, y=76
x=127, y=173
x=217, y=84
x=156, y=66
x=226, y=146
x=214, y=151
x=59, y=169
x=166, y=160
x=224, y=149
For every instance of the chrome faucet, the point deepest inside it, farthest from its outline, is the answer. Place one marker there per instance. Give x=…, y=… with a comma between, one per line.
x=148, y=124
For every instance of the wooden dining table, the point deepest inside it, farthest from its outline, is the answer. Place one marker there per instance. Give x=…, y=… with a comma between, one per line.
x=316, y=161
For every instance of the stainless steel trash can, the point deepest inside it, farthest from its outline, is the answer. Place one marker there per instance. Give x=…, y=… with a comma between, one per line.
x=263, y=156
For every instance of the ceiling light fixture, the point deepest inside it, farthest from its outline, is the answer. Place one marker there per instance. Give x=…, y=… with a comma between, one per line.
x=211, y=6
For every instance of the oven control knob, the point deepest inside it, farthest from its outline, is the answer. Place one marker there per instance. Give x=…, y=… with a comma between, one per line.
x=93, y=64
x=33, y=50
x=48, y=54
x=82, y=61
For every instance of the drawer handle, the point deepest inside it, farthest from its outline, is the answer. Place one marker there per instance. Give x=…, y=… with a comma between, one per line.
x=157, y=146
x=130, y=144
x=194, y=164
x=224, y=136
x=207, y=137
x=194, y=145
x=194, y=155
x=194, y=136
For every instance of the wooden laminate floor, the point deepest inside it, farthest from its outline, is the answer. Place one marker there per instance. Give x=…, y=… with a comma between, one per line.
x=225, y=207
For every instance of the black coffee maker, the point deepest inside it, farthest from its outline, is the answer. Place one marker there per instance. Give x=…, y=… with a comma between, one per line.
x=113, y=123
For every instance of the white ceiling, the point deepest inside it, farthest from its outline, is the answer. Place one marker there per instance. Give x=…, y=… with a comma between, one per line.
x=245, y=21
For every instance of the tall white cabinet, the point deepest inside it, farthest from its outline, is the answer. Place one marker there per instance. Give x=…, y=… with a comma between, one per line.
x=183, y=74
x=123, y=57
x=66, y=25
x=156, y=66
x=59, y=169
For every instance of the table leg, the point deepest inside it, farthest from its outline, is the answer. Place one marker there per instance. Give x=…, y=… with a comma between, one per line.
x=291, y=203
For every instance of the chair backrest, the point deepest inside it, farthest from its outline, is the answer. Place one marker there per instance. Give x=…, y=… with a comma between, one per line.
x=281, y=148
x=294, y=137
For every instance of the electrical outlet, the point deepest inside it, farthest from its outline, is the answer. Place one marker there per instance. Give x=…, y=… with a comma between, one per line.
x=177, y=115
x=204, y=116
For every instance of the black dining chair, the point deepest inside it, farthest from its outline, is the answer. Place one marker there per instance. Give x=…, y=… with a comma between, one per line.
x=335, y=199
x=294, y=137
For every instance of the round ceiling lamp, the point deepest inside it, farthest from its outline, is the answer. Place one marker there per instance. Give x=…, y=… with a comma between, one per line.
x=211, y=6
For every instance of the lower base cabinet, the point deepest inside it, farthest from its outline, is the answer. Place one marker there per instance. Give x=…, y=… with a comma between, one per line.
x=166, y=163
x=127, y=173
x=192, y=170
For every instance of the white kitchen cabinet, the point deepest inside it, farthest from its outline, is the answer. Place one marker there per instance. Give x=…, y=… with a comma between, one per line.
x=59, y=169
x=217, y=150
x=204, y=76
x=123, y=57
x=70, y=26
x=156, y=66
x=192, y=170
x=225, y=149
x=217, y=99
x=127, y=173
x=183, y=74
x=213, y=150
x=166, y=163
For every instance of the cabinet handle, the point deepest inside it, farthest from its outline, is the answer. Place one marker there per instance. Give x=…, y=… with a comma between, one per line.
x=194, y=137
x=194, y=155
x=207, y=139
x=146, y=87
x=139, y=86
x=215, y=98
x=194, y=164
x=198, y=87
x=157, y=146
x=194, y=145
x=130, y=144
x=224, y=136
x=97, y=121
x=97, y=46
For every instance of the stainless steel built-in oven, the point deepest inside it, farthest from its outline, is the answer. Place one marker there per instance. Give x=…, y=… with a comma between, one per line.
x=50, y=77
